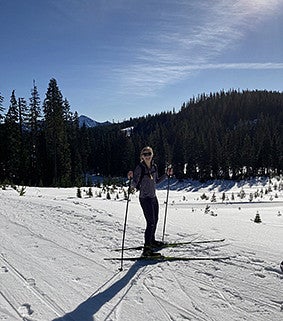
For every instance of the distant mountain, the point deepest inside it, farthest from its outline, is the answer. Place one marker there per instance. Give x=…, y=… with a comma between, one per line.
x=90, y=123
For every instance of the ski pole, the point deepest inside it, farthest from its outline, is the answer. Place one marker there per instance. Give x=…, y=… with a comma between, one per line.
x=125, y=224
x=166, y=206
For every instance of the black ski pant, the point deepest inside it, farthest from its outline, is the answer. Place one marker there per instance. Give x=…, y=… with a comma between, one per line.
x=150, y=209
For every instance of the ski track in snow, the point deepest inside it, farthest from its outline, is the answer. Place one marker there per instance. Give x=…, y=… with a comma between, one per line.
x=52, y=246
x=30, y=285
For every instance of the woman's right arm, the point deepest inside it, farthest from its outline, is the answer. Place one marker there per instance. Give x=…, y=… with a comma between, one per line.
x=135, y=176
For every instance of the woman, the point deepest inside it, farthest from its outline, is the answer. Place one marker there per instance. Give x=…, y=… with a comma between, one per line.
x=145, y=177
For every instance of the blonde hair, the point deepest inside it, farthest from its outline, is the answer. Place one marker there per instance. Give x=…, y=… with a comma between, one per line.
x=146, y=149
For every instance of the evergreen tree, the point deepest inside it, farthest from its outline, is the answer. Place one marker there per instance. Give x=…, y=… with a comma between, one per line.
x=24, y=158
x=74, y=140
x=86, y=151
x=2, y=138
x=23, y=114
x=67, y=114
x=57, y=147
x=1, y=108
x=13, y=141
x=34, y=130
x=34, y=110
x=12, y=115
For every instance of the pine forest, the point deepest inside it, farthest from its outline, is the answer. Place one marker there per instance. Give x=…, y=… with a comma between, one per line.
x=225, y=135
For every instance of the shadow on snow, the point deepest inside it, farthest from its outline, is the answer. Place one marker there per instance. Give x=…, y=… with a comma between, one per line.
x=87, y=310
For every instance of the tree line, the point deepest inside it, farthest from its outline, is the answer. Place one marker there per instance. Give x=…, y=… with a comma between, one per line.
x=40, y=144
x=225, y=135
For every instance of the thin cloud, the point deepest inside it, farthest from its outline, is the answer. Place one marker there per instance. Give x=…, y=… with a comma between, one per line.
x=180, y=48
x=146, y=80
x=181, y=39
x=248, y=66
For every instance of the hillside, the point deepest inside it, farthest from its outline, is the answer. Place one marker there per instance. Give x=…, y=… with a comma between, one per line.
x=90, y=123
x=227, y=135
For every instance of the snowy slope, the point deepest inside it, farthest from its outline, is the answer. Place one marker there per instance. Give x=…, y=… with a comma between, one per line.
x=90, y=123
x=53, y=245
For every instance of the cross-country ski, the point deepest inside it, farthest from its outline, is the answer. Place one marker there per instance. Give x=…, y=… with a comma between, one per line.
x=173, y=244
x=163, y=258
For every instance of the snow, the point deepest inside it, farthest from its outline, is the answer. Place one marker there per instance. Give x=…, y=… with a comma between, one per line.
x=53, y=245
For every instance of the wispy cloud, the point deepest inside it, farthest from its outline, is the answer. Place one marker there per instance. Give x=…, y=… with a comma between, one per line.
x=183, y=46
x=248, y=66
x=147, y=79
x=168, y=42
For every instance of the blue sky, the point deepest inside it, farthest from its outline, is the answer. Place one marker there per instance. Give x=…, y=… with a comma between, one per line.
x=116, y=59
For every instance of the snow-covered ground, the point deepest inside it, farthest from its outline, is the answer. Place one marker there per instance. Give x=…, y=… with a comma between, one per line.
x=53, y=245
